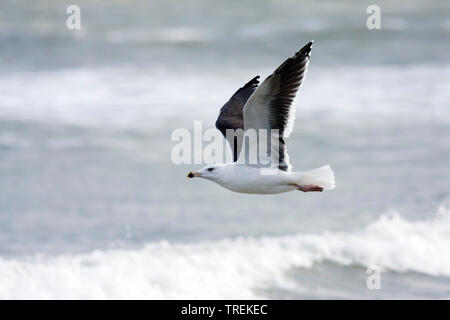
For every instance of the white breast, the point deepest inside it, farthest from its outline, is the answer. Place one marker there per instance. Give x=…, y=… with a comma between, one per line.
x=245, y=179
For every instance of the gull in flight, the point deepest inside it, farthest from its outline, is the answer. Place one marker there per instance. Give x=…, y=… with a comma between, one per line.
x=268, y=108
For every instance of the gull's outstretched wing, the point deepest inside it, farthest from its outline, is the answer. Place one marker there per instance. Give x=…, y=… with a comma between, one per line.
x=231, y=116
x=270, y=107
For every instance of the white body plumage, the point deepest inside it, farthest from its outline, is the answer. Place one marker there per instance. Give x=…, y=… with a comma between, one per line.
x=251, y=179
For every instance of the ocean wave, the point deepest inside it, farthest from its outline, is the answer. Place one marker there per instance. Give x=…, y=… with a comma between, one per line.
x=130, y=98
x=230, y=268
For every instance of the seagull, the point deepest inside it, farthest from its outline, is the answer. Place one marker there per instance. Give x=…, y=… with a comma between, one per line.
x=265, y=108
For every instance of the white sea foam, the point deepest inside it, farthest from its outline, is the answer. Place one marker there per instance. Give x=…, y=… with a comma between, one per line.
x=130, y=98
x=228, y=268
x=116, y=97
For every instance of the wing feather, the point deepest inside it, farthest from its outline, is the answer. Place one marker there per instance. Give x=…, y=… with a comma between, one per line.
x=271, y=105
x=231, y=116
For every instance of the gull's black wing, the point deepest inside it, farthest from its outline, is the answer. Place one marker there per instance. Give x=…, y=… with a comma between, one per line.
x=231, y=115
x=271, y=107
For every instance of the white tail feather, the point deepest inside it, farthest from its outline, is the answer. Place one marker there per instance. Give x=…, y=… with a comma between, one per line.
x=322, y=177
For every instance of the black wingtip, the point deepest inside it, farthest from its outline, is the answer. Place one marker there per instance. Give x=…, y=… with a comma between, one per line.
x=254, y=81
x=308, y=46
x=306, y=49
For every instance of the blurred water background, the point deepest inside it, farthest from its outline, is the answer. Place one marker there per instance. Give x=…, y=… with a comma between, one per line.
x=92, y=207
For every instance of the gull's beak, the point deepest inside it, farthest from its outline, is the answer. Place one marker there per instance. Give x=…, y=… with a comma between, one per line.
x=193, y=174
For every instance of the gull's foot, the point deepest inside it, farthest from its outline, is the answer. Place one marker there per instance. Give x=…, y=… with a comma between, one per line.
x=307, y=188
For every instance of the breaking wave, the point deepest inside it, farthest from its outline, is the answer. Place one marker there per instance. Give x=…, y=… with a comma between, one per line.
x=230, y=268
x=132, y=98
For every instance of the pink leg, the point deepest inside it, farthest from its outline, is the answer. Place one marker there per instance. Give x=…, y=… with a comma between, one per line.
x=307, y=188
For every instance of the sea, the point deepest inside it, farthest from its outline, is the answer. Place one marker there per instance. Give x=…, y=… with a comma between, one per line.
x=93, y=207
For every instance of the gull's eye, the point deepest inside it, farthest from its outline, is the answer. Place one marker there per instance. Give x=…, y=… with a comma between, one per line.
x=210, y=169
